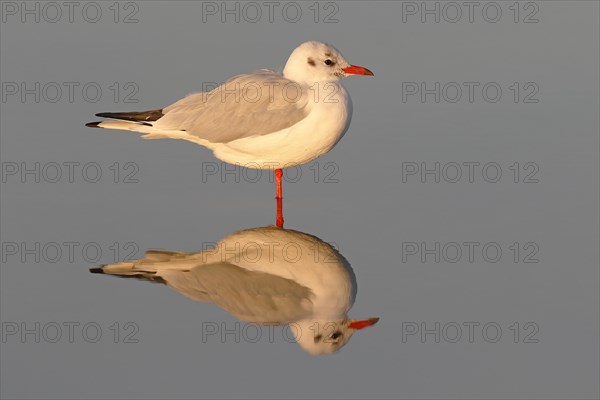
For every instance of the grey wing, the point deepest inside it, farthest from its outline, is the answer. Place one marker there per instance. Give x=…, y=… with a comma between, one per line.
x=250, y=296
x=246, y=105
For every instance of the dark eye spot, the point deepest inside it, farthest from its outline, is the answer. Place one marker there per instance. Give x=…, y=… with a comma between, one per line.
x=311, y=62
x=318, y=338
x=329, y=62
x=336, y=335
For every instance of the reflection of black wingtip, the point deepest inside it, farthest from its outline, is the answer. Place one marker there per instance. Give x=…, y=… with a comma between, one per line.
x=97, y=270
x=93, y=124
x=135, y=116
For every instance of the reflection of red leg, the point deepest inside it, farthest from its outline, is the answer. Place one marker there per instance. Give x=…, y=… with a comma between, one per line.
x=278, y=175
x=279, y=219
x=278, y=196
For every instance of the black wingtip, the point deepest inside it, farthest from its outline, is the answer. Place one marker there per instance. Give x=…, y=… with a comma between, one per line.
x=93, y=124
x=97, y=270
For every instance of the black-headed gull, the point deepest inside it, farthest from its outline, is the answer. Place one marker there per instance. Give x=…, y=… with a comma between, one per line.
x=264, y=275
x=263, y=120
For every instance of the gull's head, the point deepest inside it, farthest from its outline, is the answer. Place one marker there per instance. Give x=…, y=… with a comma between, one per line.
x=315, y=62
x=320, y=337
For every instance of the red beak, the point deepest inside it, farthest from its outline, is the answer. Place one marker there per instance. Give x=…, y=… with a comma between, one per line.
x=356, y=70
x=363, y=323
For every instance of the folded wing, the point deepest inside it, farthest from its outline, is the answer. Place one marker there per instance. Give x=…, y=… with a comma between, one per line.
x=246, y=105
x=250, y=296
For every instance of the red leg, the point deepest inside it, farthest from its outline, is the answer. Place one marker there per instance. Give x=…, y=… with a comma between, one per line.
x=278, y=175
x=279, y=219
x=278, y=196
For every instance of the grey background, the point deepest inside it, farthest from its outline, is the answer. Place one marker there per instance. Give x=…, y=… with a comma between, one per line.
x=369, y=213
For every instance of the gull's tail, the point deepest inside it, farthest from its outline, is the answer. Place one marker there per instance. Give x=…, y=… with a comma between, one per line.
x=150, y=267
x=137, y=121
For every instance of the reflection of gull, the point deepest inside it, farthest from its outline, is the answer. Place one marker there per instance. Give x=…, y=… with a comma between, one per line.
x=263, y=120
x=264, y=275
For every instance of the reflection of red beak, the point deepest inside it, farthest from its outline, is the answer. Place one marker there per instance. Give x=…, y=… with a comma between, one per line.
x=356, y=70
x=363, y=323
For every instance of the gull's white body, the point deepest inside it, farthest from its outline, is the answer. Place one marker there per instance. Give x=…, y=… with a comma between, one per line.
x=327, y=121
x=262, y=275
x=262, y=134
